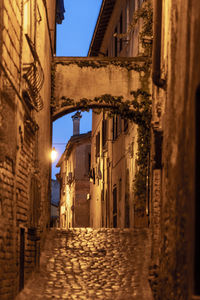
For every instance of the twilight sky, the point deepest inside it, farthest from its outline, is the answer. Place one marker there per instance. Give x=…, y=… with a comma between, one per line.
x=73, y=39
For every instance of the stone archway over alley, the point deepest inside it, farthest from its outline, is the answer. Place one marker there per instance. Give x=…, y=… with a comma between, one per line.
x=83, y=83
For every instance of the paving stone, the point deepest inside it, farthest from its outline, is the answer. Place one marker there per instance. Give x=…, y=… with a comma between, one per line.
x=92, y=264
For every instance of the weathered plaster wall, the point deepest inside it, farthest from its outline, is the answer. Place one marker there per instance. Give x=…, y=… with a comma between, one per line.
x=74, y=206
x=82, y=185
x=181, y=64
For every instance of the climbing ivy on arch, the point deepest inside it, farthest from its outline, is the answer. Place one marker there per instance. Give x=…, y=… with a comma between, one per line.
x=137, y=110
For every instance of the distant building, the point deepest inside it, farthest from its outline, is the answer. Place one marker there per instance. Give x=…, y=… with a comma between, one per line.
x=55, y=199
x=74, y=179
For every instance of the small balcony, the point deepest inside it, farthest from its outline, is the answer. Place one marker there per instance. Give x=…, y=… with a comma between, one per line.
x=34, y=78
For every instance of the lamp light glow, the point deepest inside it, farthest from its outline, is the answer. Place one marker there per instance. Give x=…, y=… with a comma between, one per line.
x=54, y=154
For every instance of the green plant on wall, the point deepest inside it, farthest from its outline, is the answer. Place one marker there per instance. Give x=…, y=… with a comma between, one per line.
x=106, y=62
x=137, y=110
x=143, y=141
x=144, y=13
x=141, y=65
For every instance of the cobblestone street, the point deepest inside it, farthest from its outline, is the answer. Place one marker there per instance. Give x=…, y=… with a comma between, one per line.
x=92, y=264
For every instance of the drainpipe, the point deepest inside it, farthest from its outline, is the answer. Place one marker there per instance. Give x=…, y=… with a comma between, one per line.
x=157, y=27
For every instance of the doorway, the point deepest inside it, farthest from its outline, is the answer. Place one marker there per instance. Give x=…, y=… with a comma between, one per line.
x=22, y=248
x=115, y=207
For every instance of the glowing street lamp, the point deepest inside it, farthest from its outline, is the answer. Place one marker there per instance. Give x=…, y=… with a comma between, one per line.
x=54, y=154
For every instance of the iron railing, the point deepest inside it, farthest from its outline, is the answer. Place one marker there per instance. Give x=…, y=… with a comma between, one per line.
x=34, y=77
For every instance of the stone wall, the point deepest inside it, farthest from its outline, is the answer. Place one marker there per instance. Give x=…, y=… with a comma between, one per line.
x=8, y=267
x=25, y=141
x=180, y=65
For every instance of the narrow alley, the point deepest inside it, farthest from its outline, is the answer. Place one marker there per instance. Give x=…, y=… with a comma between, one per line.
x=85, y=263
x=110, y=89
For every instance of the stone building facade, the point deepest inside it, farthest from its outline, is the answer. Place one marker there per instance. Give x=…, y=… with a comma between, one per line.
x=175, y=149
x=74, y=179
x=27, y=44
x=115, y=139
x=174, y=157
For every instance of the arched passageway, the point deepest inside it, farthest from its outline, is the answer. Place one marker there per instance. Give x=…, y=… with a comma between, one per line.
x=119, y=88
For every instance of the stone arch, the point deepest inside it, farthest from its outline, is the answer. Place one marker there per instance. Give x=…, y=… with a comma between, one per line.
x=88, y=83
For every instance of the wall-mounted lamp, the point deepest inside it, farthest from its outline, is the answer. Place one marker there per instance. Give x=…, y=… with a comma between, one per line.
x=54, y=154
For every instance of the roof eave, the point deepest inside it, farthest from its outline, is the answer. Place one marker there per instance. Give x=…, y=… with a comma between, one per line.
x=101, y=26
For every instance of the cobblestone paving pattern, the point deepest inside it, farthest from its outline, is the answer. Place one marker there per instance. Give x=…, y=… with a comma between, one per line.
x=84, y=263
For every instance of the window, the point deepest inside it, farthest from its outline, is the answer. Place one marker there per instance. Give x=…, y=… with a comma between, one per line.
x=115, y=40
x=120, y=189
x=98, y=144
x=116, y=126
x=89, y=162
x=125, y=125
x=119, y=125
x=158, y=140
x=104, y=133
x=120, y=31
x=28, y=18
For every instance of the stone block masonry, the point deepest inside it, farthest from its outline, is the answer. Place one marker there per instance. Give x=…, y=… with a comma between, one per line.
x=24, y=199
x=8, y=267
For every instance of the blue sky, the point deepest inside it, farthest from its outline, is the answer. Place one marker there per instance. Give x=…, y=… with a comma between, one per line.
x=73, y=39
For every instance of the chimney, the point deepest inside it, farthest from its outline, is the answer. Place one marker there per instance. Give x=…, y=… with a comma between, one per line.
x=76, y=123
